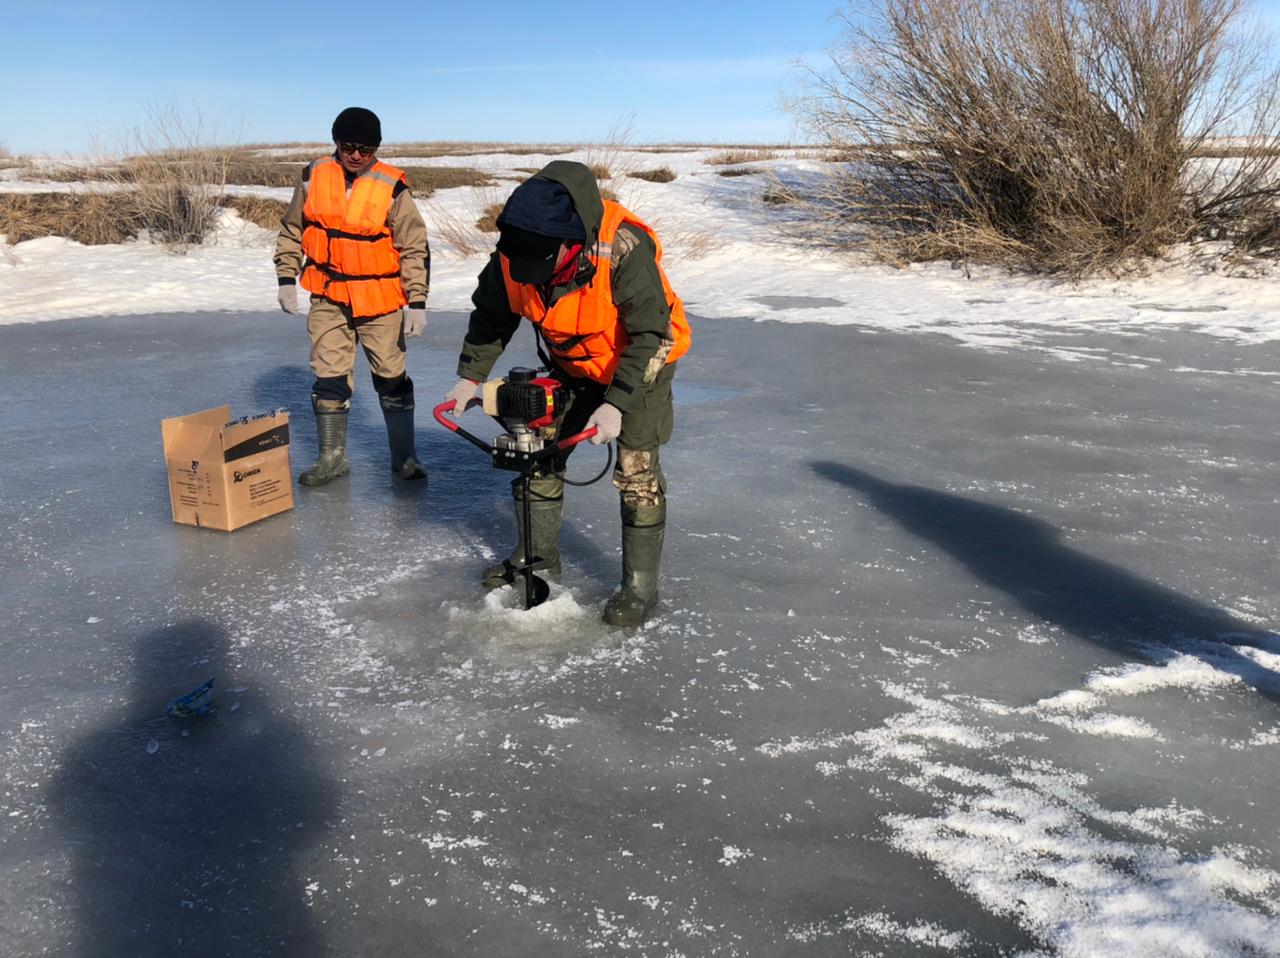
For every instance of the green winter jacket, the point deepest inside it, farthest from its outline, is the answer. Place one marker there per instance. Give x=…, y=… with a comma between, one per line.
x=637, y=293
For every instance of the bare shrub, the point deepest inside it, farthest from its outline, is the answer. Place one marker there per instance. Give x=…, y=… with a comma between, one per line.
x=94, y=219
x=172, y=177
x=731, y=157
x=1053, y=135
x=259, y=210
x=663, y=174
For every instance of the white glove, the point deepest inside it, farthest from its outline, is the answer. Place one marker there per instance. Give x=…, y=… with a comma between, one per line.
x=415, y=321
x=463, y=391
x=287, y=297
x=608, y=422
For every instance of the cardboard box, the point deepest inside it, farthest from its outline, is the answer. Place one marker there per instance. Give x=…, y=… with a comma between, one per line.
x=225, y=475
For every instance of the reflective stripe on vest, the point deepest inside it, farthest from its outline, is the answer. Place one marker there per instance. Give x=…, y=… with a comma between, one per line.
x=351, y=259
x=583, y=331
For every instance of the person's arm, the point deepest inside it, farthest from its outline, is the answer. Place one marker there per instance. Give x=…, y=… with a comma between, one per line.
x=409, y=236
x=289, y=258
x=644, y=313
x=492, y=324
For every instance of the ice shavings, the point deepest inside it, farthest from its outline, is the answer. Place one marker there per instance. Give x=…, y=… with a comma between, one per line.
x=884, y=928
x=1033, y=843
x=1106, y=725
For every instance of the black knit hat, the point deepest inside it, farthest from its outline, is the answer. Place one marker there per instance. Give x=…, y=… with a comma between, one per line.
x=543, y=207
x=355, y=124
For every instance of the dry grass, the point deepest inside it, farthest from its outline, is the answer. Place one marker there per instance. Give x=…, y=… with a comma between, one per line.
x=734, y=156
x=94, y=219
x=738, y=171
x=663, y=174
x=425, y=180
x=258, y=210
x=244, y=169
x=462, y=148
x=778, y=194
x=488, y=221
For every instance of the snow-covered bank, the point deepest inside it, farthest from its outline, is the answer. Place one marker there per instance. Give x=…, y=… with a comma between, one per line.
x=724, y=253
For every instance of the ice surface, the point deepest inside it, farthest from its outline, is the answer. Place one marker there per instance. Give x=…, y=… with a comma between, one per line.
x=960, y=653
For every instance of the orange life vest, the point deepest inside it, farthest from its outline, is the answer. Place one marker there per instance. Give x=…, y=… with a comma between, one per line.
x=582, y=330
x=351, y=259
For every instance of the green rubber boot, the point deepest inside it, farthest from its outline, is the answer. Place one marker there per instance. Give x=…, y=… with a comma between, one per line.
x=398, y=416
x=331, y=431
x=643, y=529
x=546, y=509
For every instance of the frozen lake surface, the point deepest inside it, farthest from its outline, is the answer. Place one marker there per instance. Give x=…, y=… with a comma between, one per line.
x=962, y=652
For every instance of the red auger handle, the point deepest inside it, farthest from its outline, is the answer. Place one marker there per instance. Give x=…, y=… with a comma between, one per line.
x=439, y=412
x=448, y=406
x=576, y=438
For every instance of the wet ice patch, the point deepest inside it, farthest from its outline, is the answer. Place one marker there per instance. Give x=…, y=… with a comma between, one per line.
x=796, y=302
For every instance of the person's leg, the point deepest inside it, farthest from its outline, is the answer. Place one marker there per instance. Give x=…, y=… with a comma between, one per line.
x=642, y=491
x=333, y=356
x=383, y=342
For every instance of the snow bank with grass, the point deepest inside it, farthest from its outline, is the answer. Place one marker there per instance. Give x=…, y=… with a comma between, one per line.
x=729, y=254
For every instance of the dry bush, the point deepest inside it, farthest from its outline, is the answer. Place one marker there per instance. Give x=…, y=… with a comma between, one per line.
x=171, y=177
x=600, y=171
x=663, y=174
x=731, y=157
x=1053, y=135
x=94, y=219
x=488, y=221
x=259, y=210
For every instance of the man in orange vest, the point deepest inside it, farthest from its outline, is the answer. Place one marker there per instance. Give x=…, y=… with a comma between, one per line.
x=356, y=237
x=587, y=273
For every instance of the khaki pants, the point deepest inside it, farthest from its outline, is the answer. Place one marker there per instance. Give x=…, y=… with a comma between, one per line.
x=333, y=342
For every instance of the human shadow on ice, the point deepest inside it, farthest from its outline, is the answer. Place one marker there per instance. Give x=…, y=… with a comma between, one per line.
x=185, y=834
x=1025, y=558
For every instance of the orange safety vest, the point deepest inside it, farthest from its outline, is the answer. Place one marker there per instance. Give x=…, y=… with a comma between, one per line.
x=582, y=330
x=351, y=259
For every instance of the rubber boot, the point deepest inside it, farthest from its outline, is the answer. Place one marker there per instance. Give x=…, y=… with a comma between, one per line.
x=399, y=419
x=643, y=529
x=546, y=509
x=331, y=431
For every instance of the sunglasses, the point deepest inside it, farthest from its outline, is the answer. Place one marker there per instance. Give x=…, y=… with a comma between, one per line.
x=352, y=148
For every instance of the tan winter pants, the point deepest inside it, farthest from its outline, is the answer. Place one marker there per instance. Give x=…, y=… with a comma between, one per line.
x=333, y=342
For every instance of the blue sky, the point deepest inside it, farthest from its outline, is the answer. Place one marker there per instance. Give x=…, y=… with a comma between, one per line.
x=76, y=73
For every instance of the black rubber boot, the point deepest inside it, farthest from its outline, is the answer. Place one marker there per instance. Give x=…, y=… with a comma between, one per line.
x=546, y=509
x=399, y=419
x=331, y=432
x=643, y=529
